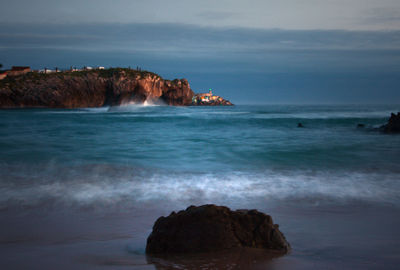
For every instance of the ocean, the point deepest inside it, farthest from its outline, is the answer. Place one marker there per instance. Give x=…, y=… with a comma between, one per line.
x=81, y=188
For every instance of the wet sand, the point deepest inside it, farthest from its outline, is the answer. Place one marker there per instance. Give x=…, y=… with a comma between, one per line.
x=350, y=235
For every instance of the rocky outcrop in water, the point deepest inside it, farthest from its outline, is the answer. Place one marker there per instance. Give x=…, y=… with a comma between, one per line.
x=222, y=102
x=393, y=125
x=211, y=228
x=92, y=88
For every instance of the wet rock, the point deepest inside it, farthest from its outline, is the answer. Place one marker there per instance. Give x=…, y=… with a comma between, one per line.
x=211, y=228
x=393, y=125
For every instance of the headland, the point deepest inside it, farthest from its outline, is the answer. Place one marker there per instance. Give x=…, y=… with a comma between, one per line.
x=21, y=87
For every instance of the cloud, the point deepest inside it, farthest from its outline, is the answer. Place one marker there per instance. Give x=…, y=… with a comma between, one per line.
x=383, y=16
x=189, y=40
x=228, y=49
x=262, y=14
x=217, y=15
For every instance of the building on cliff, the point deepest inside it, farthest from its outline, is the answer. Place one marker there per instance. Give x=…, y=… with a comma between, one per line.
x=16, y=71
x=46, y=71
x=205, y=98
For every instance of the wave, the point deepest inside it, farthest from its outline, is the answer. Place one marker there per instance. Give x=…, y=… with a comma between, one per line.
x=74, y=111
x=111, y=185
x=325, y=115
x=156, y=109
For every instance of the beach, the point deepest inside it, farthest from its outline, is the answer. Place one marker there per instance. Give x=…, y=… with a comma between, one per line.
x=82, y=188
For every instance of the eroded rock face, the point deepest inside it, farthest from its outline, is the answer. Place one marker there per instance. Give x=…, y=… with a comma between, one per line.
x=177, y=92
x=212, y=228
x=393, y=125
x=91, y=89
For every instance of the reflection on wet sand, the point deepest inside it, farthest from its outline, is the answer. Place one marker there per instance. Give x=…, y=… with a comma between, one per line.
x=240, y=258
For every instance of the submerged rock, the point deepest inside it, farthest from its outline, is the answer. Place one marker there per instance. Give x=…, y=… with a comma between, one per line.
x=393, y=125
x=210, y=228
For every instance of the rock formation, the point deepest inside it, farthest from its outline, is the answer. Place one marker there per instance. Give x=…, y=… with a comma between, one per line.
x=222, y=102
x=393, y=125
x=92, y=88
x=210, y=228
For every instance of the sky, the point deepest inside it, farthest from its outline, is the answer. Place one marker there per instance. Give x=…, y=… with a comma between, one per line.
x=287, y=51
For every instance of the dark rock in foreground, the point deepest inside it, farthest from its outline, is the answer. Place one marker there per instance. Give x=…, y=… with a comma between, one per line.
x=210, y=228
x=393, y=125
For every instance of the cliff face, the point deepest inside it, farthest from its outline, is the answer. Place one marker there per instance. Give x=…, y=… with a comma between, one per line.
x=91, y=89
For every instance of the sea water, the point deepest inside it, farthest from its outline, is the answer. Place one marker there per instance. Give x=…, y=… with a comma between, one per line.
x=81, y=188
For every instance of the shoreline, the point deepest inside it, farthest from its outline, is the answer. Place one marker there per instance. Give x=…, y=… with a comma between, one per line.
x=94, y=245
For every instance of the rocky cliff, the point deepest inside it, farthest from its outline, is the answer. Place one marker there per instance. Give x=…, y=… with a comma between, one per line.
x=93, y=88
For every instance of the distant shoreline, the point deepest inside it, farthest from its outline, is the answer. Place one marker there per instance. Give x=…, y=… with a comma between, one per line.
x=95, y=88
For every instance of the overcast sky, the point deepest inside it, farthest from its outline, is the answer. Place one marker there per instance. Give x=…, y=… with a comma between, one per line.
x=283, y=14
x=299, y=51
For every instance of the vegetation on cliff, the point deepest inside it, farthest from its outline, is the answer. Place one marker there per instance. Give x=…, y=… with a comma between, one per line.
x=102, y=73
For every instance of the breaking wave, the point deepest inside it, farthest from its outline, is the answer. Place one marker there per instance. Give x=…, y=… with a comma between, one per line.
x=107, y=185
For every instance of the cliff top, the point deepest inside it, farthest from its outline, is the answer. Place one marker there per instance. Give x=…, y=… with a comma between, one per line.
x=103, y=73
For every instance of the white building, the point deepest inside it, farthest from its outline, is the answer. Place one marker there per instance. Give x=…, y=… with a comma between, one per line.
x=46, y=71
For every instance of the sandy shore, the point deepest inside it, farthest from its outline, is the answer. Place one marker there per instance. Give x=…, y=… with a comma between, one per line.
x=346, y=236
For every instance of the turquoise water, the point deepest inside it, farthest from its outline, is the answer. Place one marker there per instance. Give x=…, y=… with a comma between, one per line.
x=218, y=151
x=87, y=178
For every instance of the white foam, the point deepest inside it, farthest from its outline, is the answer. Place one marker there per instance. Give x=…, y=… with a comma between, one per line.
x=76, y=111
x=94, y=188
